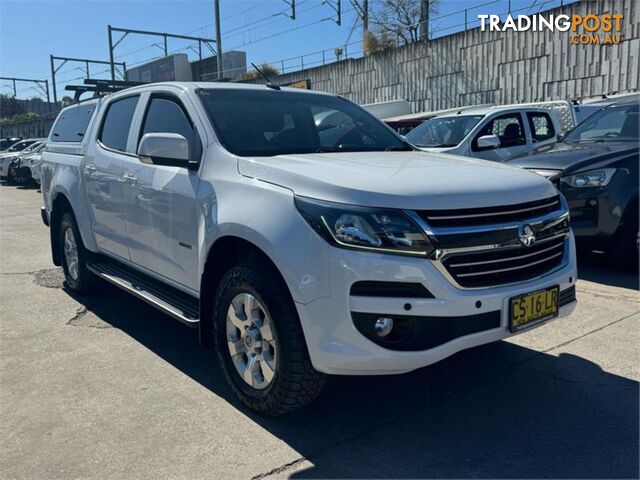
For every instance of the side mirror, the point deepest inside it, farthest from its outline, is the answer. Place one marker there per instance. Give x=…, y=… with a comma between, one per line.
x=169, y=149
x=488, y=141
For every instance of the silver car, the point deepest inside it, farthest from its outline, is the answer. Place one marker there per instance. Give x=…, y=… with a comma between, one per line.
x=490, y=133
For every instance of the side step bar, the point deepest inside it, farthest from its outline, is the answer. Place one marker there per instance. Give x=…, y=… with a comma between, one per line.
x=179, y=305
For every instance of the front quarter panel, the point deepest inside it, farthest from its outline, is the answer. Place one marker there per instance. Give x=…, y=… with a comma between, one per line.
x=265, y=215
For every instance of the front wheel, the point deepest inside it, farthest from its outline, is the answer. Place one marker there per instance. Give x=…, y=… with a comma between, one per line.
x=260, y=343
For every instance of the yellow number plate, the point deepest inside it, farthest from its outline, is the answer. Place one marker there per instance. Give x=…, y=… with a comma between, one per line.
x=533, y=308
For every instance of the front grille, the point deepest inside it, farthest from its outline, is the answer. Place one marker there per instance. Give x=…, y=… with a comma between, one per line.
x=490, y=215
x=503, y=266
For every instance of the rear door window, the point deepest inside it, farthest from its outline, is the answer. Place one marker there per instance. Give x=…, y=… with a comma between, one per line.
x=72, y=123
x=541, y=126
x=117, y=122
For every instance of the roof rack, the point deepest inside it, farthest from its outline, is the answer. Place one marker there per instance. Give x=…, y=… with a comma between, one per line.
x=100, y=87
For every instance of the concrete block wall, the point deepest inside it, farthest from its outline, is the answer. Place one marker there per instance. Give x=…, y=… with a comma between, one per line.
x=476, y=67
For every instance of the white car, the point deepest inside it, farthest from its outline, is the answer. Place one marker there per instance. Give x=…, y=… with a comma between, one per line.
x=490, y=133
x=298, y=247
x=29, y=165
x=19, y=149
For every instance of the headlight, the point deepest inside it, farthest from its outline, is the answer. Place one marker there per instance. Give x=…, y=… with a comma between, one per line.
x=364, y=228
x=594, y=178
x=548, y=174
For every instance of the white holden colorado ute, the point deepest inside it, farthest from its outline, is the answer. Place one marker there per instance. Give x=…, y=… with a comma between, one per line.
x=299, y=234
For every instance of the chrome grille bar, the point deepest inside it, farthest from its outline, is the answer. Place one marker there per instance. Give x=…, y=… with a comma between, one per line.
x=493, y=214
x=509, y=259
x=500, y=270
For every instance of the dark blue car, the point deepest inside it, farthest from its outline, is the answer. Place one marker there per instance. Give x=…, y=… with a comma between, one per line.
x=595, y=166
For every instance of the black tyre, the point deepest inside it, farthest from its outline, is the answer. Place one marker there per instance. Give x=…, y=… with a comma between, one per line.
x=259, y=341
x=15, y=176
x=74, y=256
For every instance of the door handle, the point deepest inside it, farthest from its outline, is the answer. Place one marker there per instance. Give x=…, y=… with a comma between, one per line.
x=129, y=178
x=89, y=169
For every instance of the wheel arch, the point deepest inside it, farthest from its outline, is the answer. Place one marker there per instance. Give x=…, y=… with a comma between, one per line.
x=225, y=252
x=59, y=206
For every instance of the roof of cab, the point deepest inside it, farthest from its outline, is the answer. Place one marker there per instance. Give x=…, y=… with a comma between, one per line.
x=494, y=109
x=191, y=86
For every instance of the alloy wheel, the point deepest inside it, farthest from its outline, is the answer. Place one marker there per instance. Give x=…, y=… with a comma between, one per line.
x=251, y=340
x=71, y=253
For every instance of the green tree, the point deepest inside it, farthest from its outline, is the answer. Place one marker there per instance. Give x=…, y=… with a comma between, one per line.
x=269, y=70
x=373, y=44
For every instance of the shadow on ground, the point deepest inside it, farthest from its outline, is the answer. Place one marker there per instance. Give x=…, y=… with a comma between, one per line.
x=496, y=411
x=599, y=268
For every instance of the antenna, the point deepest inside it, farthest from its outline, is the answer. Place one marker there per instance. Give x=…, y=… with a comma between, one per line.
x=266, y=79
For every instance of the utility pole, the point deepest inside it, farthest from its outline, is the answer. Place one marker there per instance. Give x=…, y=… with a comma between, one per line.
x=165, y=47
x=216, y=6
x=365, y=18
x=53, y=77
x=336, y=7
x=424, y=20
x=363, y=12
x=86, y=62
x=111, y=47
x=292, y=4
x=38, y=83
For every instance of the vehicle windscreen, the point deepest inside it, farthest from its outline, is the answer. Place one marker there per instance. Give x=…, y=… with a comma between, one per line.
x=443, y=131
x=616, y=124
x=33, y=147
x=18, y=147
x=4, y=144
x=276, y=122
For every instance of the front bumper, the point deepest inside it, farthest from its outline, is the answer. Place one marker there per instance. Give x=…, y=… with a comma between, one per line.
x=337, y=347
x=597, y=213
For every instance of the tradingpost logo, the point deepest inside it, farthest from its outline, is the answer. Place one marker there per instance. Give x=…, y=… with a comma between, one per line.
x=588, y=29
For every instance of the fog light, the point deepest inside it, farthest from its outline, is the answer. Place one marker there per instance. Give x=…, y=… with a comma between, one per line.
x=383, y=326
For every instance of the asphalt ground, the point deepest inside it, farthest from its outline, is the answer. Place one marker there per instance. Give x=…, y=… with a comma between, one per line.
x=106, y=387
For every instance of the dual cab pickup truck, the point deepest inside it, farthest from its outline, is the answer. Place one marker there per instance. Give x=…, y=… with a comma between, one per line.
x=299, y=234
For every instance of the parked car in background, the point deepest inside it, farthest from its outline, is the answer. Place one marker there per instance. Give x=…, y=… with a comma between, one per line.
x=7, y=142
x=391, y=108
x=311, y=240
x=584, y=108
x=564, y=111
x=23, y=147
x=22, y=168
x=595, y=166
x=18, y=146
x=403, y=124
x=490, y=133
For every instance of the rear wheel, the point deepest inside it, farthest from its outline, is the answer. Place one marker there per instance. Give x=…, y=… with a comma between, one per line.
x=74, y=256
x=260, y=344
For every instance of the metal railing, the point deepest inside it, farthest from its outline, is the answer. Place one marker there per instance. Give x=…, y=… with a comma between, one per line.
x=439, y=26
